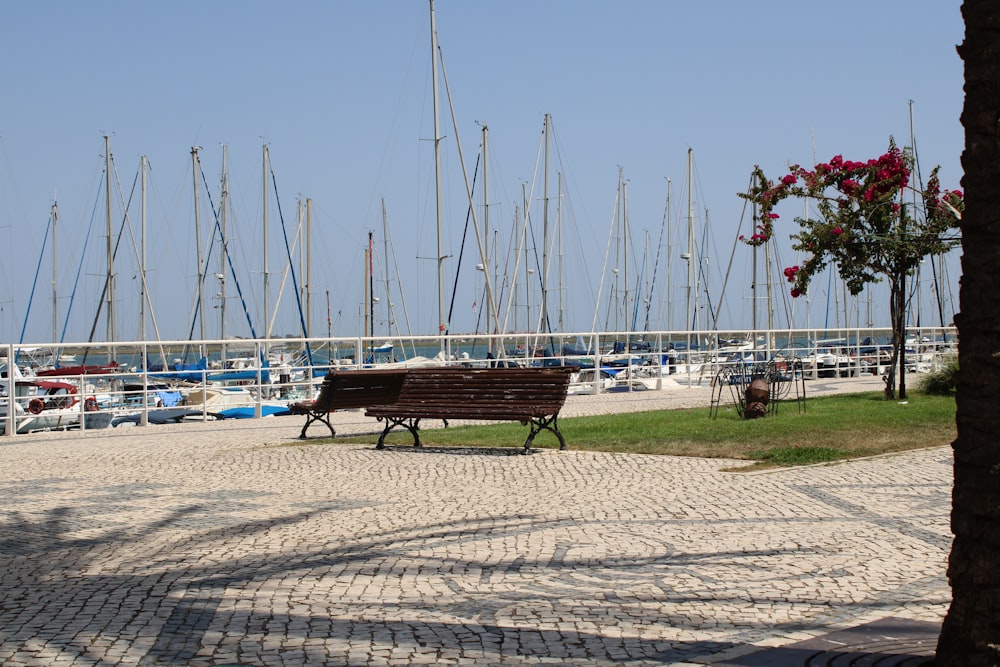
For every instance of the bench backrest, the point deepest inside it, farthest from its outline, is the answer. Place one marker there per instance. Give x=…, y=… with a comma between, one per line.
x=359, y=388
x=533, y=391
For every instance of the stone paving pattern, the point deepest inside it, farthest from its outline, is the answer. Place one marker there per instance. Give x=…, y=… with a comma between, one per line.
x=234, y=543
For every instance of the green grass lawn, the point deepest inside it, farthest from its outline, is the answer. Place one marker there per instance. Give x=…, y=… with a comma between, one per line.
x=831, y=428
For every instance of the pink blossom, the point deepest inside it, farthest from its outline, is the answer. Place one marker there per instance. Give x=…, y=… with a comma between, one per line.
x=837, y=231
x=789, y=179
x=773, y=216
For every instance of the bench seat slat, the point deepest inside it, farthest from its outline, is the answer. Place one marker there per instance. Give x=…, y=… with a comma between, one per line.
x=526, y=395
x=441, y=408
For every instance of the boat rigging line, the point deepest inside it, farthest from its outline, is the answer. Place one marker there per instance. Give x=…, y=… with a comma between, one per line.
x=288, y=252
x=461, y=251
x=228, y=258
x=34, y=283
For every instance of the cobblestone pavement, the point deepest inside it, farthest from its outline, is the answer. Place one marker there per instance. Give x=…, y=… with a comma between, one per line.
x=234, y=543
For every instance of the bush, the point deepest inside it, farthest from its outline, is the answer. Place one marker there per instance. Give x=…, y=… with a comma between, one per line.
x=941, y=382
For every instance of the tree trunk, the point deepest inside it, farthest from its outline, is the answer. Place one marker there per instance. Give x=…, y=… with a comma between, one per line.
x=970, y=636
x=901, y=335
x=897, y=320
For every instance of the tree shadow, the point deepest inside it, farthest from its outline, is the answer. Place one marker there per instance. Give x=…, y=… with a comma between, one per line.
x=186, y=589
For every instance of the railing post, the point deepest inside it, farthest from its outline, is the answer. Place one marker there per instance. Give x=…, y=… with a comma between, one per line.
x=9, y=384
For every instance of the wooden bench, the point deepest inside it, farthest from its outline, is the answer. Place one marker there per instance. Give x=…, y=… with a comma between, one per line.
x=532, y=396
x=343, y=389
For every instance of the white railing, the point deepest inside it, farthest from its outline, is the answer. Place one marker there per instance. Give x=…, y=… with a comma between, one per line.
x=143, y=377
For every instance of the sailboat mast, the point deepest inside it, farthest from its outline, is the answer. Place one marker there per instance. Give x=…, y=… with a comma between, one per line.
x=385, y=246
x=55, y=291
x=512, y=300
x=110, y=245
x=693, y=314
x=300, y=217
x=267, y=278
x=527, y=263
x=544, y=313
x=670, y=250
x=559, y=228
x=527, y=291
x=645, y=294
x=626, y=246
x=442, y=325
x=615, y=305
x=366, y=298
x=308, y=284
x=142, y=260
x=486, y=228
x=224, y=248
x=195, y=168
x=369, y=297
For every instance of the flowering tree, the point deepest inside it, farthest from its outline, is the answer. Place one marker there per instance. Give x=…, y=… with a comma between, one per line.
x=864, y=227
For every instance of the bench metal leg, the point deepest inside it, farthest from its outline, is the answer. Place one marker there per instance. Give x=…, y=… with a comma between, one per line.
x=317, y=417
x=412, y=425
x=539, y=424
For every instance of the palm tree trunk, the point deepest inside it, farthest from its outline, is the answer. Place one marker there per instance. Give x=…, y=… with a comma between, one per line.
x=970, y=636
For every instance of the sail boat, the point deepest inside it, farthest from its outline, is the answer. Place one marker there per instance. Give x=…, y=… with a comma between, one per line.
x=107, y=296
x=40, y=404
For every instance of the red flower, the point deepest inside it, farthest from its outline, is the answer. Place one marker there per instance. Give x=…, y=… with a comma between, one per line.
x=773, y=216
x=790, y=273
x=789, y=179
x=837, y=231
x=796, y=293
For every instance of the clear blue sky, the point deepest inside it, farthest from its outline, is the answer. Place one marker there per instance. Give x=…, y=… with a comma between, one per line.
x=340, y=92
